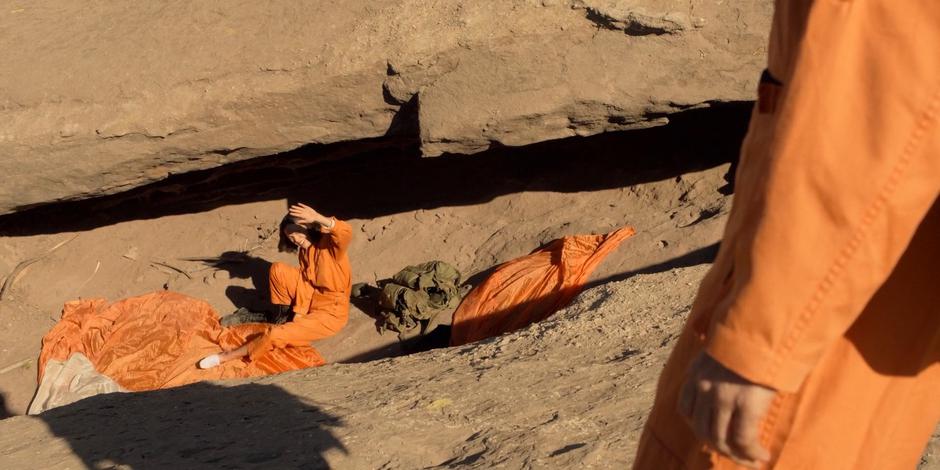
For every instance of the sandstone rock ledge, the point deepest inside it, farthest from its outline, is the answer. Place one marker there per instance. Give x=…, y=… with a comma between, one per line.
x=103, y=96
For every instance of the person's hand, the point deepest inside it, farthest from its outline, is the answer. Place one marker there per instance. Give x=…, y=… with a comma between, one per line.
x=725, y=409
x=304, y=214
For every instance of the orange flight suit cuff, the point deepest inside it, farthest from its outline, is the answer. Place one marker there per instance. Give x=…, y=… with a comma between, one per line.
x=753, y=360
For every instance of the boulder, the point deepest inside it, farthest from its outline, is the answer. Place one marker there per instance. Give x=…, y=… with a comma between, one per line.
x=103, y=96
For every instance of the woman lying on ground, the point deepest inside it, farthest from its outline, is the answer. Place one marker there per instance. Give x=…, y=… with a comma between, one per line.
x=316, y=293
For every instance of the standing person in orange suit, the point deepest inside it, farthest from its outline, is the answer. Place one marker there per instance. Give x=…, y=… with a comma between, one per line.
x=317, y=293
x=814, y=341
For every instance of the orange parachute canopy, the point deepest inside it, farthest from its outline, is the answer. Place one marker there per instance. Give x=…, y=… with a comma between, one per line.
x=531, y=288
x=155, y=340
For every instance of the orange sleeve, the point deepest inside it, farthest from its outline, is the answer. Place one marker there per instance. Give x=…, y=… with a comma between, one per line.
x=833, y=190
x=307, y=264
x=340, y=235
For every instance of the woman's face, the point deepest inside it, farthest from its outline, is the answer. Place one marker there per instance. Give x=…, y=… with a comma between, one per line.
x=295, y=233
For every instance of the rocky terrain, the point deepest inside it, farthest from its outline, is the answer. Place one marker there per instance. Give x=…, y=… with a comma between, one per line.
x=215, y=242
x=149, y=146
x=569, y=392
x=103, y=96
x=502, y=204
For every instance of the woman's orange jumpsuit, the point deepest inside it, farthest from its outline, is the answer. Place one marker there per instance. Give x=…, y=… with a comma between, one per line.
x=318, y=293
x=827, y=284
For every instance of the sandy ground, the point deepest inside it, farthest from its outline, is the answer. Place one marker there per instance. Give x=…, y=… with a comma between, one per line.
x=571, y=391
x=498, y=207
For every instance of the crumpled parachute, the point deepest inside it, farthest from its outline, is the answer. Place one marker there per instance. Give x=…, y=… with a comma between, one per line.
x=154, y=341
x=531, y=288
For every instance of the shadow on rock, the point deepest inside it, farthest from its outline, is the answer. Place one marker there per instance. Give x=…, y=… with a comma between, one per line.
x=241, y=265
x=366, y=298
x=4, y=412
x=197, y=426
x=695, y=257
x=368, y=179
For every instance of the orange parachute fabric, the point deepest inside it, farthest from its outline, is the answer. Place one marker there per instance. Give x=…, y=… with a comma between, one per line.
x=155, y=340
x=531, y=288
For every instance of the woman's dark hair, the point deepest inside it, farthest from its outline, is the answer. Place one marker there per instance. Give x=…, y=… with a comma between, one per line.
x=284, y=244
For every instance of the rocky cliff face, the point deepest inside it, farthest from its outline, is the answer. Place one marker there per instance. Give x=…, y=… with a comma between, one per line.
x=100, y=97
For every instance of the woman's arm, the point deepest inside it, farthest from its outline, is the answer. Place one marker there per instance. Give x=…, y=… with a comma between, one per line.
x=338, y=232
x=307, y=216
x=340, y=235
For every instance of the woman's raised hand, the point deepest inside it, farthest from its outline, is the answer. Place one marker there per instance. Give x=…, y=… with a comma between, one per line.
x=304, y=214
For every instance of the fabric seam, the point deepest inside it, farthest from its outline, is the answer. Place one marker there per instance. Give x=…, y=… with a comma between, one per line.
x=873, y=210
x=662, y=445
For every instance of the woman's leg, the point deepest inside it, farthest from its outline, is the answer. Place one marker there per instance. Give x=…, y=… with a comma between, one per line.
x=209, y=362
x=283, y=280
x=305, y=328
x=234, y=354
x=289, y=293
x=300, y=332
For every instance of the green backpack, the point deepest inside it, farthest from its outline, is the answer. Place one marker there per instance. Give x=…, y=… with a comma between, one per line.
x=416, y=294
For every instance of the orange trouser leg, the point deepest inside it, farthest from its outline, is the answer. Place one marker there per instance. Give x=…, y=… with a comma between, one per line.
x=283, y=280
x=305, y=327
x=288, y=287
